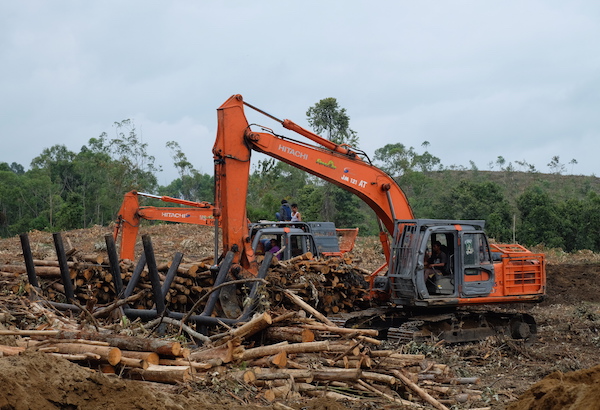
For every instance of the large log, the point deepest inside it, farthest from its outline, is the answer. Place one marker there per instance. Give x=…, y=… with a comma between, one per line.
x=279, y=360
x=255, y=325
x=337, y=374
x=78, y=357
x=43, y=271
x=302, y=304
x=98, y=259
x=107, y=353
x=194, y=365
x=380, y=378
x=342, y=330
x=11, y=350
x=150, y=357
x=299, y=375
x=227, y=352
x=140, y=344
x=284, y=333
x=310, y=347
x=132, y=362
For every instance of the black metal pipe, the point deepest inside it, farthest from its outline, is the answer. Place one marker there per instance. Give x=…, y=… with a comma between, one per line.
x=135, y=276
x=153, y=272
x=29, y=265
x=113, y=261
x=262, y=273
x=223, y=271
x=171, y=273
x=146, y=314
x=64, y=268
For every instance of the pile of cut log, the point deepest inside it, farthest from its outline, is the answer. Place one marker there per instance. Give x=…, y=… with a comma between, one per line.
x=332, y=285
x=289, y=350
x=315, y=359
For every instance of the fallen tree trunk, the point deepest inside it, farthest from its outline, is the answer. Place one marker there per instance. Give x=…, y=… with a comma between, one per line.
x=150, y=357
x=309, y=347
x=302, y=304
x=11, y=350
x=112, y=355
x=163, y=347
x=227, y=352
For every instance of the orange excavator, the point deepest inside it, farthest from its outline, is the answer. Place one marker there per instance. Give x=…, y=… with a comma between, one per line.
x=131, y=213
x=475, y=272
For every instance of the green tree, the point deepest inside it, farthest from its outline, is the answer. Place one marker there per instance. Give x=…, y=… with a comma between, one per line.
x=134, y=168
x=581, y=223
x=541, y=220
x=70, y=214
x=270, y=182
x=397, y=160
x=326, y=117
x=420, y=190
x=556, y=167
x=485, y=200
x=98, y=202
x=19, y=169
x=184, y=169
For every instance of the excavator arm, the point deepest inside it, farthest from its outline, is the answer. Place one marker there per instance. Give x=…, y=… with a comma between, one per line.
x=332, y=162
x=131, y=213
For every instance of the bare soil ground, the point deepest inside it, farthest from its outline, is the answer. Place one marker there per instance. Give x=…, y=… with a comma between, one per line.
x=557, y=370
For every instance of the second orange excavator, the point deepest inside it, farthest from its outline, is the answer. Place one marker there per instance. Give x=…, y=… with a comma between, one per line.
x=132, y=213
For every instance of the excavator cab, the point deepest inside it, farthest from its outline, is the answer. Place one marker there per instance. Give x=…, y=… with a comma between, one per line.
x=292, y=242
x=468, y=271
x=298, y=238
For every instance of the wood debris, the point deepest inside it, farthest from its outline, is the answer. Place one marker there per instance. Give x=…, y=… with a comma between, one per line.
x=289, y=350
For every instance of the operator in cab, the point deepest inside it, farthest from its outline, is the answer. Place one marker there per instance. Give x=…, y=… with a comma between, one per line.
x=436, y=263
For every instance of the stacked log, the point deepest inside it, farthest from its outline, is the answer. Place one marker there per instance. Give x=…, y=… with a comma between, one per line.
x=330, y=285
x=92, y=281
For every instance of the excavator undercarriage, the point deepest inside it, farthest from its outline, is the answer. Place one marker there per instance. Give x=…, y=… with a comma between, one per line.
x=450, y=325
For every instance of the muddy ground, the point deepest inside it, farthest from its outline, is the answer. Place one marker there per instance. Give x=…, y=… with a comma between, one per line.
x=568, y=341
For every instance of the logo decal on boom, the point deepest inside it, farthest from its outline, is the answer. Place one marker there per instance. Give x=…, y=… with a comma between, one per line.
x=175, y=215
x=293, y=152
x=328, y=164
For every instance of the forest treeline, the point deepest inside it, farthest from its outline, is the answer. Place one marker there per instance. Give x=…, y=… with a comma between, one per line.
x=65, y=190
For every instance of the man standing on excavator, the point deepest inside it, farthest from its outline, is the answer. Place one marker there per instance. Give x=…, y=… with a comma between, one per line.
x=285, y=212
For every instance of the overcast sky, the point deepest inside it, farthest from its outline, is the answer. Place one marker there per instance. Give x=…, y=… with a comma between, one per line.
x=476, y=79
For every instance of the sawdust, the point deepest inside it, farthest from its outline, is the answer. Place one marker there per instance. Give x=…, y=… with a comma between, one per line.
x=563, y=391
